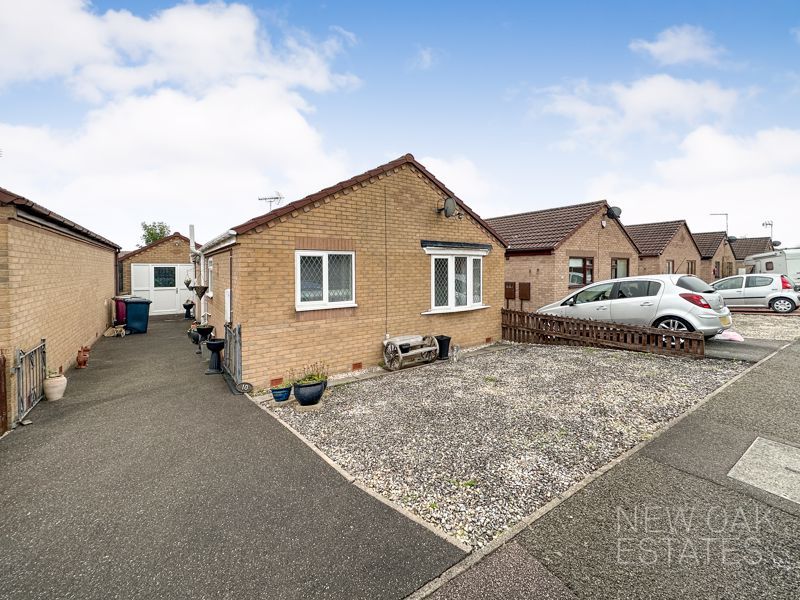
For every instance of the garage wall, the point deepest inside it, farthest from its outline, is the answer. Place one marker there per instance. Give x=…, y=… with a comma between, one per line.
x=173, y=249
x=59, y=288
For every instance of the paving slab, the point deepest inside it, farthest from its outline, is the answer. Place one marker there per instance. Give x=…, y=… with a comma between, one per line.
x=150, y=479
x=771, y=466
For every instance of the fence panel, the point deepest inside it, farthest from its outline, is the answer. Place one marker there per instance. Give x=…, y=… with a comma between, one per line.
x=533, y=328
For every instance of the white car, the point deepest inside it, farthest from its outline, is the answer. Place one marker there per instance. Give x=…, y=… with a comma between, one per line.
x=777, y=292
x=674, y=302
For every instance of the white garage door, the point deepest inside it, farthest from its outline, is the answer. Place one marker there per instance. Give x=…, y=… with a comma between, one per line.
x=163, y=284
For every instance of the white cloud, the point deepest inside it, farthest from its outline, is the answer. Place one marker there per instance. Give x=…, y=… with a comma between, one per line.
x=180, y=132
x=462, y=176
x=604, y=114
x=753, y=178
x=189, y=46
x=681, y=44
x=425, y=59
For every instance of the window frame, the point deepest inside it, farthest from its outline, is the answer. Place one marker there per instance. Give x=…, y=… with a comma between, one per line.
x=615, y=260
x=210, y=277
x=691, y=267
x=670, y=267
x=450, y=254
x=324, y=304
x=584, y=270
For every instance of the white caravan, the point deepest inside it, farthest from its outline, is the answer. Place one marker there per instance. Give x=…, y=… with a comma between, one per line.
x=779, y=262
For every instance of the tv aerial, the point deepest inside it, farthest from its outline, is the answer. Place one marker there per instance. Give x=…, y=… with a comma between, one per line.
x=273, y=200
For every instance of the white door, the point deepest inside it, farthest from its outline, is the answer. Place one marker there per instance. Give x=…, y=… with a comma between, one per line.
x=162, y=284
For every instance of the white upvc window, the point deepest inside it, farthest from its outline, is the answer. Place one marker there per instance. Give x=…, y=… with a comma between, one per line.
x=324, y=279
x=456, y=280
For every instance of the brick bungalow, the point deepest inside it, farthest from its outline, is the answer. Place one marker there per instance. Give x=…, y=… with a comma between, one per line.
x=555, y=250
x=157, y=272
x=717, y=258
x=56, y=282
x=666, y=247
x=325, y=278
x=744, y=247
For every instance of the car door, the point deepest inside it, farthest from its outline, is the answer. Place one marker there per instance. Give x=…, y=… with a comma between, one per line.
x=635, y=301
x=593, y=303
x=731, y=290
x=757, y=289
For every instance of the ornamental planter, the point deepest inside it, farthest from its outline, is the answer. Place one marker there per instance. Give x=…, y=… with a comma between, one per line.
x=54, y=388
x=308, y=394
x=281, y=394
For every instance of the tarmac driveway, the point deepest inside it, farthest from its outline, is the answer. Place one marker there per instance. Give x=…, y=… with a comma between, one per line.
x=149, y=479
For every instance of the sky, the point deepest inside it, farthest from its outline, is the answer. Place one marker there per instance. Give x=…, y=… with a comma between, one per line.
x=116, y=112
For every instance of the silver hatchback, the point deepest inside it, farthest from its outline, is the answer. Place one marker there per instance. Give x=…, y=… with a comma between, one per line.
x=759, y=290
x=675, y=302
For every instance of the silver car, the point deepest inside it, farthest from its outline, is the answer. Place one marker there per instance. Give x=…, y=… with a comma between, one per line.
x=761, y=290
x=675, y=302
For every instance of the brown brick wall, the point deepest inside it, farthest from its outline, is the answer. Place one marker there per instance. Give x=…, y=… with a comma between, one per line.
x=169, y=252
x=393, y=279
x=680, y=249
x=727, y=265
x=59, y=288
x=549, y=275
x=215, y=302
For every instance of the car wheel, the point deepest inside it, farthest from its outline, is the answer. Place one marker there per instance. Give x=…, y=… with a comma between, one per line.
x=782, y=305
x=673, y=324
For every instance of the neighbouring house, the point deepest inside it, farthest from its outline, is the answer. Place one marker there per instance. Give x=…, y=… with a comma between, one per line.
x=328, y=277
x=744, y=247
x=666, y=247
x=717, y=258
x=555, y=250
x=157, y=272
x=56, y=282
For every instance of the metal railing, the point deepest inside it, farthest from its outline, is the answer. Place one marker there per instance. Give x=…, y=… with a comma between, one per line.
x=30, y=373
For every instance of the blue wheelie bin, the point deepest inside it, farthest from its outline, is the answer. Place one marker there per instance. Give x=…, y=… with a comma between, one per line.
x=137, y=313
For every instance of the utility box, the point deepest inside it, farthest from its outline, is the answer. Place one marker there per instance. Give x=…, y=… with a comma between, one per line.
x=511, y=290
x=524, y=290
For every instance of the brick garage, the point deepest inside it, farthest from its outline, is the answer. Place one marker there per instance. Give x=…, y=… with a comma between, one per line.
x=556, y=250
x=56, y=282
x=388, y=221
x=666, y=247
x=717, y=257
x=170, y=250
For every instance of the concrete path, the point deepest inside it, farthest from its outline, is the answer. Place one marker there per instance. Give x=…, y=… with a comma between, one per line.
x=747, y=351
x=150, y=480
x=669, y=522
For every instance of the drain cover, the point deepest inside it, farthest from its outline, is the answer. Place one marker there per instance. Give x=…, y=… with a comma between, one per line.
x=771, y=466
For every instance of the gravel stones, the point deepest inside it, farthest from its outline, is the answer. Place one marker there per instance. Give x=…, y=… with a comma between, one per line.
x=767, y=327
x=474, y=446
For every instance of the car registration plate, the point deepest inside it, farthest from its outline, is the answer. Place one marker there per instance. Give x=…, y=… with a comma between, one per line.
x=725, y=321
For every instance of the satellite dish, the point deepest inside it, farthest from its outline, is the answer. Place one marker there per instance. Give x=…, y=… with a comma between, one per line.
x=775, y=243
x=614, y=212
x=732, y=238
x=450, y=207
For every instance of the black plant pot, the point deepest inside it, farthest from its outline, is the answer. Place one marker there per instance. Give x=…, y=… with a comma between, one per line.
x=307, y=394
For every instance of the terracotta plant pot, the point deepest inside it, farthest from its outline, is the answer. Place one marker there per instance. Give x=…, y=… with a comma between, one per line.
x=54, y=388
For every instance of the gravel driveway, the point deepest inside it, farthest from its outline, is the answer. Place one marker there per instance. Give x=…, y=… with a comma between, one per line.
x=767, y=327
x=474, y=446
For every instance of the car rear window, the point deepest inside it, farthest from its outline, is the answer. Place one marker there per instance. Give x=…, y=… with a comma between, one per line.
x=758, y=282
x=694, y=284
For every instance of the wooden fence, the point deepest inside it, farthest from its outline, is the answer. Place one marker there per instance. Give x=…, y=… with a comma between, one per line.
x=533, y=328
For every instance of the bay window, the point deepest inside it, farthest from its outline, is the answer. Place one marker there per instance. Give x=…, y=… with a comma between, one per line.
x=456, y=281
x=324, y=279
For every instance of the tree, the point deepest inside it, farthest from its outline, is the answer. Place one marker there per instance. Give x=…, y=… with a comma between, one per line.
x=152, y=232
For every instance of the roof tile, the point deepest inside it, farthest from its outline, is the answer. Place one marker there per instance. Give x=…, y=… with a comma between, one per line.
x=743, y=247
x=653, y=238
x=708, y=242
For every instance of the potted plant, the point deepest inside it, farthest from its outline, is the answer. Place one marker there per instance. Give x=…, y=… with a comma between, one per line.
x=309, y=387
x=55, y=385
x=281, y=392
